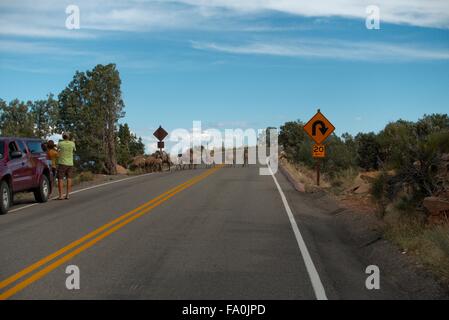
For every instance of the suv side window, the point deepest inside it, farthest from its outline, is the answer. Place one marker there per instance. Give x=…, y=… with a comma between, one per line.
x=12, y=147
x=2, y=149
x=22, y=147
x=35, y=146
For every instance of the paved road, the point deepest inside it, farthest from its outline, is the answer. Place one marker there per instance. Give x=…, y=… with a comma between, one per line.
x=224, y=235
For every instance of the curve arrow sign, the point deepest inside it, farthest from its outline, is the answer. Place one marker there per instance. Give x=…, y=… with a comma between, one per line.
x=323, y=127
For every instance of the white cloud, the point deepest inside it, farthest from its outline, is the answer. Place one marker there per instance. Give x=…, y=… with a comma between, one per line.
x=429, y=13
x=150, y=144
x=16, y=29
x=55, y=137
x=327, y=48
x=229, y=124
x=47, y=18
x=140, y=18
x=31, y=47
x=29, y=21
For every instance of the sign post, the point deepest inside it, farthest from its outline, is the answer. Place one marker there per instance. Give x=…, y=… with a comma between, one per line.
x=319, y=129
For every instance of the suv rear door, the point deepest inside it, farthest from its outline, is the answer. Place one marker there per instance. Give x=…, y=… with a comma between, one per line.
x=29, y=166
x=38, y=158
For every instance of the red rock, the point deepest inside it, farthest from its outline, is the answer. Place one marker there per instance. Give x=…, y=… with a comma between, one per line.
x=120, y=169
x=369, y=177
x=364, y=188
x=437, y=206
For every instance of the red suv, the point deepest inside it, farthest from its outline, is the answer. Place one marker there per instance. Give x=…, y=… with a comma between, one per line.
x=24, y=166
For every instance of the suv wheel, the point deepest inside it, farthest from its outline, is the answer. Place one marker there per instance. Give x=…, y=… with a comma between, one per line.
x=5, y=200
x=42, y=192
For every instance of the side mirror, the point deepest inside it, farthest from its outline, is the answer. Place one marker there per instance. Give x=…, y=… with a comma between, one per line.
x=16, y=154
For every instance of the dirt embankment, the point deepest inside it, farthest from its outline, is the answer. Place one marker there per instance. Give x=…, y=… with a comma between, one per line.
x=352, y=190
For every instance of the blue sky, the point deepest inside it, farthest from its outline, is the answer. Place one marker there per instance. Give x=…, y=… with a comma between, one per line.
x=237, y=64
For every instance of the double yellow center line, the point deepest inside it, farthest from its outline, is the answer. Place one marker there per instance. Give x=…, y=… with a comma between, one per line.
x=82, y=244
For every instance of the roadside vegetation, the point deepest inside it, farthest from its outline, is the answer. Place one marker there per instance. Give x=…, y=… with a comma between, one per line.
x=90, y=108
x=402, y=171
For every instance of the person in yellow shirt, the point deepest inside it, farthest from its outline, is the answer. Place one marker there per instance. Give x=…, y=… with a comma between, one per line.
x=66, y=149
x=53, y=155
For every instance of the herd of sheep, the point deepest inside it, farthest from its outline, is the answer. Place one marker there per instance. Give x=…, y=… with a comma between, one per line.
x=156, y=161
x=151, y=163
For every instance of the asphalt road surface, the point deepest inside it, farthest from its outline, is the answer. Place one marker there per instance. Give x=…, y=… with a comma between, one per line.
x=223, y=233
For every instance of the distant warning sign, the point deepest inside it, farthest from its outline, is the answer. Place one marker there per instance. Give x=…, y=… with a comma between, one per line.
x=160, y=133
x=319, y=128
x=318, y=151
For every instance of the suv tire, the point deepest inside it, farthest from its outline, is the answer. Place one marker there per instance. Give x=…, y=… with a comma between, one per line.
x=5, y=197
x=43, y=191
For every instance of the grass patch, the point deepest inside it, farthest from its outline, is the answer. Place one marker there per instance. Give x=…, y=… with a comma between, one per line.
x=437, y=253
x=428, y=243
x=136, y=172
x=342, y=180
x=83, y=176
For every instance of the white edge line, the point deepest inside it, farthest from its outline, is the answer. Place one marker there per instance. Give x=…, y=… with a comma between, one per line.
x=21, y=208
x=84, y=189
x=108, y=183
x=317, y=285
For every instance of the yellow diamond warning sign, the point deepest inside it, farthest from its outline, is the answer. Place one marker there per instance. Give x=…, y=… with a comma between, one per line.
x=319, y=128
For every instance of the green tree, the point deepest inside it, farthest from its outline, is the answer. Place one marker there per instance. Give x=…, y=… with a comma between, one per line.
x=90, y=107
x=15, y=119
x=44, y=114
x=137, y=147
x=124, y=137
x=431, y=124
x=77, y=116
x=128, y=145
x=414, y=150
x=340, y=155
x=294, y=140
x=397, y=143
x=350, y=143
x=106, y=98
x=368, y=149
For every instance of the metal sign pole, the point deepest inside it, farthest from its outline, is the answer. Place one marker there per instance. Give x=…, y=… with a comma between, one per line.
x=319, y=129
